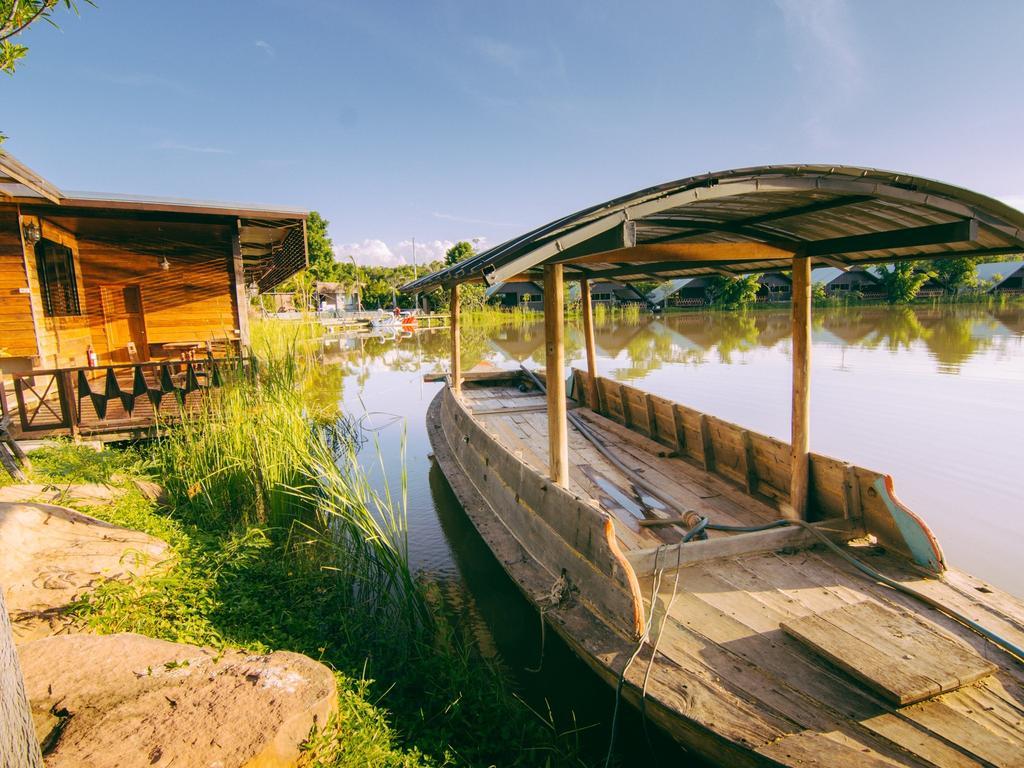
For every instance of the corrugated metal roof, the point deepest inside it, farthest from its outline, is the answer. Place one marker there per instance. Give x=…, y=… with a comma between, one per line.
x=755, y=220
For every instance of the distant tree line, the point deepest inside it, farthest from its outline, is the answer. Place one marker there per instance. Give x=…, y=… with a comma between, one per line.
x=378, y=287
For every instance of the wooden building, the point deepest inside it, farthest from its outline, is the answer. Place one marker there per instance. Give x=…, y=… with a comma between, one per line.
x=613, y=294
x=855, y=281
x=129, y=278
x=1010, y=272
x=526, y=294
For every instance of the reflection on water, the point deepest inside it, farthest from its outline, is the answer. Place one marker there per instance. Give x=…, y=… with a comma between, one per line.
x=929, y=395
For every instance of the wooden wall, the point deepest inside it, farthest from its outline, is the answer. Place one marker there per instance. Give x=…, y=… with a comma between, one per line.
x=17, y=333
x=193, y=301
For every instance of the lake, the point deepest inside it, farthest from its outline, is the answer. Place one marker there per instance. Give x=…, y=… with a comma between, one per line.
x=933, y=396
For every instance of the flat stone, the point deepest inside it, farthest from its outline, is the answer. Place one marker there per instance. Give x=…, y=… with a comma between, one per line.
x=127, y=700
x=50, y=556
x=75, y=493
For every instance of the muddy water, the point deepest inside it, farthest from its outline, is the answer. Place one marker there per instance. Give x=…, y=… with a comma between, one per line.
x=934, y=397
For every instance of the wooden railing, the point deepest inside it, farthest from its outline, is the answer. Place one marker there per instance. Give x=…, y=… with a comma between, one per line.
x=129, y=398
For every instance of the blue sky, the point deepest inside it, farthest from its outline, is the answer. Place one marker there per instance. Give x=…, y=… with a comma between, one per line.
x=459, y=120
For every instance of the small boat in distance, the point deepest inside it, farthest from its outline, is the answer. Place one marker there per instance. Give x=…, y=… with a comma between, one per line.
x=403, y=320
x=763, y=604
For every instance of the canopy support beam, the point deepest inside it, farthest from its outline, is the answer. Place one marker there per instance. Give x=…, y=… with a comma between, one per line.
x=456, y=364
x=554, y=345
x=800, y=444
x=588, y=335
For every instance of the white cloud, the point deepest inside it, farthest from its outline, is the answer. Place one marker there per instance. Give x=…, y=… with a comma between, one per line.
x=369, y=252
x=266, y=47
x=503, y=54
x=373, y=252
x=823, y=47
x=177, y=146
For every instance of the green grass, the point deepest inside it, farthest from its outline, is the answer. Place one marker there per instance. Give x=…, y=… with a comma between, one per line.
x=279, y=542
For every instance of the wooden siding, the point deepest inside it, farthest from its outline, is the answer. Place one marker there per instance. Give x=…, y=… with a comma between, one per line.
x=192, y=301
x=17, y=333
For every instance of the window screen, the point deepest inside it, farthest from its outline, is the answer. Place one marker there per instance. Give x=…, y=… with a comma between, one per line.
x=57, y=284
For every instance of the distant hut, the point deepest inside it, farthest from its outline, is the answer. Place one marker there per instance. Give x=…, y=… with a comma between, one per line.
x=1013, y=280
x=855, y=281
x=690, y=293
x=519, y=294
x=615, y=294
x=338, y=297
x=774, y=286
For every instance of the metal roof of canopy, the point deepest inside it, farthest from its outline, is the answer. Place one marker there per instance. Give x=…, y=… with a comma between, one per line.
x=754, y=220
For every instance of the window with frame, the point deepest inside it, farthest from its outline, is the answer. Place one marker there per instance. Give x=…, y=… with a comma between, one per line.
x=57, y=283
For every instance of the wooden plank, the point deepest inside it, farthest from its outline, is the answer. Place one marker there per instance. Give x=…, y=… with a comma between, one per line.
x=456, y=345
x=748, y=543
x=708, y=453
x=801, y=395
x=680, y=430
x=591, y=347
x=652, y=419
x=749, y=465
x=893, y=655
x=627, y=416
x=554, y=346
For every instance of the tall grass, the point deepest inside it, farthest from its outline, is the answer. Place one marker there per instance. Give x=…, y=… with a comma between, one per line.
x=282, y=542
x=491, y=316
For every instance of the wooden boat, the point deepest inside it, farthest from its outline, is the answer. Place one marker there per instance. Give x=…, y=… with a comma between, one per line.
x=763, y=604
x=764, y=647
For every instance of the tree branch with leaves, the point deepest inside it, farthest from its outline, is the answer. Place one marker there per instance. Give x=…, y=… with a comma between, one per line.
x=18, y=15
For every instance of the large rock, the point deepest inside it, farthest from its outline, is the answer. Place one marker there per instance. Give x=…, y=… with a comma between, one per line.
x=89, y=494
x=129, y=700
x=50, y=556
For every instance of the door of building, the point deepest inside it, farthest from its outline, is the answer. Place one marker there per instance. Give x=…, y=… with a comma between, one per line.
x=124, y=322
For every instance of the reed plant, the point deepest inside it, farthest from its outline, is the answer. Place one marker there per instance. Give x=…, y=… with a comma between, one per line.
x=280, y=541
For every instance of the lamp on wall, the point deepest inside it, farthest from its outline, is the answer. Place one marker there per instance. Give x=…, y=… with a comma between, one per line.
x=165, y=265
x=253, y=289
x=32, y=233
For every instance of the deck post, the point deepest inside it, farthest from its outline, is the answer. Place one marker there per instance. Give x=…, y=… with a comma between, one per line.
x=800, y=443
x=588, y=335
x=456, y=366
x=238, y=285
x=554, y=345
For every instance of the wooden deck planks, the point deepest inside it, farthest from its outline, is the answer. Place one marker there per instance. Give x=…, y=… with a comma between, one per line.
x=894, y=655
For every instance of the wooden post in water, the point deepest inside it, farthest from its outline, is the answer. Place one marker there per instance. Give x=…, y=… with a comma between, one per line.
x=801, y=439
x=554, y=345
x=456, y=346
x=588, y=335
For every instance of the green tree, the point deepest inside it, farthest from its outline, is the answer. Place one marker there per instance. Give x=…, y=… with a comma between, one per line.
x=322, y=264
x=733, y=292
x=957, y=274
x=459, y=252
x=16, y=16
x=903, y=281
x=471, y=295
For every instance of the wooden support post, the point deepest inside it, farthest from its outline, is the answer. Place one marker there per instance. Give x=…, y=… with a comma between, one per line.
x=652, y=419
x=627, y=417
x=456, y=366
x=749, y=464
x=237, y=272
x=800, y=444
x=680, y=430
x=707, y=446
x=588, y=336
x=554, y=344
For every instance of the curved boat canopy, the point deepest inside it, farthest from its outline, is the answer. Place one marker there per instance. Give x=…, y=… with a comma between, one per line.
x=753, y=220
